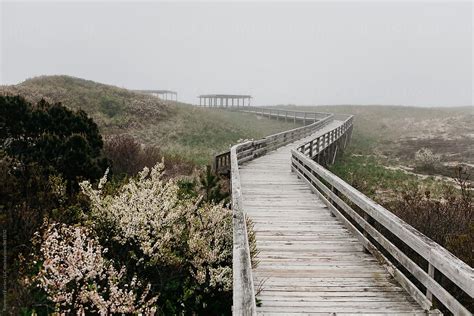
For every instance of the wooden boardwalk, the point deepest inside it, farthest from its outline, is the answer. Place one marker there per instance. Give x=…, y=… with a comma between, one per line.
x=309, y=262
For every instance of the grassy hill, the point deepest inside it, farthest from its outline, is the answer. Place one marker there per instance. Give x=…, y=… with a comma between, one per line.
x=194, y=133
x=399, y=131
x=109, y=106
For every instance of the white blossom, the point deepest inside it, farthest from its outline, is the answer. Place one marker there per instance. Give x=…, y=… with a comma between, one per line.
x=76, y=276
x=147, y=211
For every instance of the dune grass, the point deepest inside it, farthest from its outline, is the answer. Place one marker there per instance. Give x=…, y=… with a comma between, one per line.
x=384, y=142
x=199, y=133
x=382, y=129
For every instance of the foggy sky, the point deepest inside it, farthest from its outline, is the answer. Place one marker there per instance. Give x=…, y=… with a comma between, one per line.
x=281, y=53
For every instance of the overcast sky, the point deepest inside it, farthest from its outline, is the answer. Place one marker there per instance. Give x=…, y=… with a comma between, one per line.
x=408, y=53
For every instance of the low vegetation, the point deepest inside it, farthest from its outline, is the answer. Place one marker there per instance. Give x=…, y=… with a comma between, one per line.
x=150, y=242
x=394, y=134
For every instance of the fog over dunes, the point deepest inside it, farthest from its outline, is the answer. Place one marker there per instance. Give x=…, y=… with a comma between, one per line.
x=399, y=53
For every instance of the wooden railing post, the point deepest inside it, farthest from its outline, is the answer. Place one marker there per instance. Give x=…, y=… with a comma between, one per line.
x=317, y=145
x=431, y=273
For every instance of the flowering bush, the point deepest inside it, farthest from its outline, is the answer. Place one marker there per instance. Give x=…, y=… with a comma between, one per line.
x=426, y=160
x=182, y=246
x=78, y=279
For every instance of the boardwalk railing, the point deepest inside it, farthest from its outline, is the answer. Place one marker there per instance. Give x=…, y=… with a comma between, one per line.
x=392, y=241
x=243, y=287
x=325, y=147
x=284, y=115
x=252, y=149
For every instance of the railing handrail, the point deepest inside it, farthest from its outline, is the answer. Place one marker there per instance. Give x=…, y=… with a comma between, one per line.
x=243, y=287
x=458, y=272
x=258, y=109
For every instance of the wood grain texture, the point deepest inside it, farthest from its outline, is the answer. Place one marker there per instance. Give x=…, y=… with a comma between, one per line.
x=310, y=263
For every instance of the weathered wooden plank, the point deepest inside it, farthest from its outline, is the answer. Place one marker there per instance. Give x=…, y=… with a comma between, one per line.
x=398, y=313
x=338, y=307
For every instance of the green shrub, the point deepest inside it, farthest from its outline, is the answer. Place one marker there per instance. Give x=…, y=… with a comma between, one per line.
x=57, y=139
x=110, y=106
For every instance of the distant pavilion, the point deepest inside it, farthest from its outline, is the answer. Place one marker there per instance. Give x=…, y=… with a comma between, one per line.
x=224, y=100
x=162, y=94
